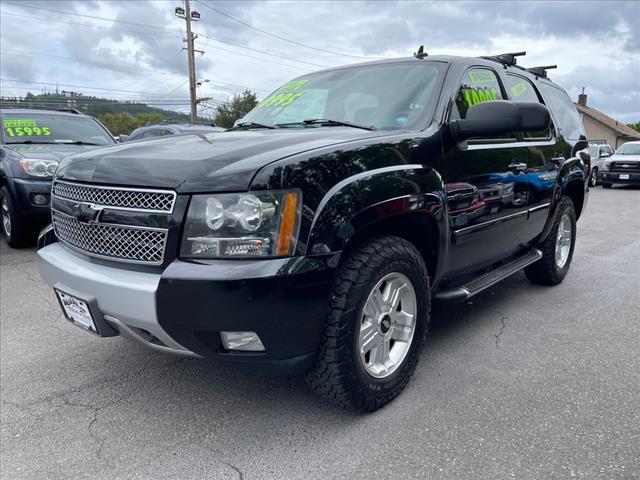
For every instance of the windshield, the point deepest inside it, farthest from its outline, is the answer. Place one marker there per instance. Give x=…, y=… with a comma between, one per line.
x=388, y=96
x=52, y=128
x=593, y=151
x=629, y=149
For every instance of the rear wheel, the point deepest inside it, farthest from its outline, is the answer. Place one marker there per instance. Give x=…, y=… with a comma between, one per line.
x=13, y=226
x=557, y=249
x=376, y=327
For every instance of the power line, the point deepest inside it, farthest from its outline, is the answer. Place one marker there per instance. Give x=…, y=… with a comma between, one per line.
x=278, y=36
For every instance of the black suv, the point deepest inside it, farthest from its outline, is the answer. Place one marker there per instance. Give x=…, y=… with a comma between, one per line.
x=313, y=236
x=164, y=129
x=31, y=145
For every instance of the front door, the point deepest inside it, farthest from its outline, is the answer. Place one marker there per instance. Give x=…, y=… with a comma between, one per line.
x=486, y=184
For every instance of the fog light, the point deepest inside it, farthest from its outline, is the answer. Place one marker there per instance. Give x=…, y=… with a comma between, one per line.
x=39, y=199
x=247, y=341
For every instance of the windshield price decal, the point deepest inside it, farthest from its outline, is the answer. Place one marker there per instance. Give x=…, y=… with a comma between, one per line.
x=474, y=96
x=285, y=95
x=22, y=127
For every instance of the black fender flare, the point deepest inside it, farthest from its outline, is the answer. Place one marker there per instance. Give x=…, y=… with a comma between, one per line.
x=572, y=178
x=367, y=199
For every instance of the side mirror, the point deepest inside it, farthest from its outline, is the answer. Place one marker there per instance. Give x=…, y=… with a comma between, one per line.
x=492, y=119
x=123, y=138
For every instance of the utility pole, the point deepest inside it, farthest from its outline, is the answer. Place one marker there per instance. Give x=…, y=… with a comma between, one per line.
x=189, y=16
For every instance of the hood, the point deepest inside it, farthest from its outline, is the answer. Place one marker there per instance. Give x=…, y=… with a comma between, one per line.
x=56, y=151
x=624, y=158
x=225, y=161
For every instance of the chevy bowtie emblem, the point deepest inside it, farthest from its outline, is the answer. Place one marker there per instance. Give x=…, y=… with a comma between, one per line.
x=97, y=209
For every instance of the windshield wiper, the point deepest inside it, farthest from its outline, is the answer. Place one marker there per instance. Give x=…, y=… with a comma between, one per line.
x=328, y=122
x=30, y=142
x=79, y=142
x=251, y=125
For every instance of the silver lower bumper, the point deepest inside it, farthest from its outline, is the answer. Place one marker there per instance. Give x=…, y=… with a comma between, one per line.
x=126, y=298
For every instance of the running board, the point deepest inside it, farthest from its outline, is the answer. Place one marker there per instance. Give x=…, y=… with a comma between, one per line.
x=484, y=281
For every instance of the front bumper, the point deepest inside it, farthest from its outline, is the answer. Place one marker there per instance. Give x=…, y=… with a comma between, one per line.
x=184, y=308
x=614, y=177
x=23, y=190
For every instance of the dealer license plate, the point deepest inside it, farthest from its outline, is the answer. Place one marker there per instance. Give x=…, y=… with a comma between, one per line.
x=77, y=311
x=624, y=176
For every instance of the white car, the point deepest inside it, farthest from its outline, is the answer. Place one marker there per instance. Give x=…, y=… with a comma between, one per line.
x=599, y=154
x=623, y=167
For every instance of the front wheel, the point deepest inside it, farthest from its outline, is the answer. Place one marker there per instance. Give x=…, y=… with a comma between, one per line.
x=13, y=226
x=557, y=249
x=377, y=324
x=593, y=179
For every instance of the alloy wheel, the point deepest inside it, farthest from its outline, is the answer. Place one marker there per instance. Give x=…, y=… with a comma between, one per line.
x=563, y=240
x=388, y=323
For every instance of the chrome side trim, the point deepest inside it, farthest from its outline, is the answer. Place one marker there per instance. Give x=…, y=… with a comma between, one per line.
x=539, y=207
x=490, y=222
x=121, y=189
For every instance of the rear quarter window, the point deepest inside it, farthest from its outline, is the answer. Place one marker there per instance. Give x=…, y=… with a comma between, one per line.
x=563, y=111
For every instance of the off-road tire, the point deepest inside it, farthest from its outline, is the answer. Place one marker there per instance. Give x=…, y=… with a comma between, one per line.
x=338, y=373
x=20, y=231
x=546, y=271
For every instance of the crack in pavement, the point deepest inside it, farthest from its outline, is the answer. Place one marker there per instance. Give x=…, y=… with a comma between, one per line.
x=502, y=327
x=231, y=465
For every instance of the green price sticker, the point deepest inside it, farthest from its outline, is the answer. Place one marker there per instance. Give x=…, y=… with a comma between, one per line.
x=519, y=89
x=474, y=96
x=285, y=95
x=20, y=127
x=481, y=76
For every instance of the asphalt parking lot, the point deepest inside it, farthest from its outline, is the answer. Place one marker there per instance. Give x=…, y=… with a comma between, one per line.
x=524, y=382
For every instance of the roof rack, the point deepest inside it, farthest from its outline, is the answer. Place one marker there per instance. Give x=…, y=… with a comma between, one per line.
x=508, y=59
x=75, y=111
x=420, y=53
x=541, y=71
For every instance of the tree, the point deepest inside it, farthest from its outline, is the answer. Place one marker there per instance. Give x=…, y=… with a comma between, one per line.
x=635, y=126
x=119, y=123
x=237, y=107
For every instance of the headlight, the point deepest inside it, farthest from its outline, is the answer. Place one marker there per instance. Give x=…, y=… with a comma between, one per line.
x=606, y=166
x=547, y=177
x=39, y=168
x=256, y=224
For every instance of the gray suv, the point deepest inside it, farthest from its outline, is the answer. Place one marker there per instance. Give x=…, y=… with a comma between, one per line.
x=600, y=153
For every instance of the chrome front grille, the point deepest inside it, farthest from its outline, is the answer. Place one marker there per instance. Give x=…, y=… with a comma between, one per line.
x=113, y=242
x=121, y=198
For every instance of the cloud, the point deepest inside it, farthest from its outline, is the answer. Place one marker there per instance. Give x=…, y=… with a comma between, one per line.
x=595, y=44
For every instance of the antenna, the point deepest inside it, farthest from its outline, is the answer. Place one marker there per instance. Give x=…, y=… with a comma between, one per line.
x=541, y=71
x=508, y=59
x=421, y=53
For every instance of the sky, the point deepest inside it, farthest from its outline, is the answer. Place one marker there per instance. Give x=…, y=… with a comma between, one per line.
x=132, y=50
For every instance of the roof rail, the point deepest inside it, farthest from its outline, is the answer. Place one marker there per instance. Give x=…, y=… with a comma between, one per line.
x=541, y=71
x=508, y=59
x=420, y=53
x=75, y=111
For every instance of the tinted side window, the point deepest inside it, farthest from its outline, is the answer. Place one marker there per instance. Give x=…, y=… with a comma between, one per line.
x=478, y=85
x=166, y=132
x=564, y=112
x=521, y=90
x=152, y=133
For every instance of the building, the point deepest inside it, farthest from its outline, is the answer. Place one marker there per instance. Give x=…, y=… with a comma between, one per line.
x=601, y=127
